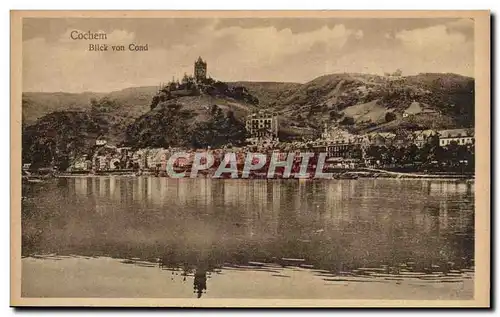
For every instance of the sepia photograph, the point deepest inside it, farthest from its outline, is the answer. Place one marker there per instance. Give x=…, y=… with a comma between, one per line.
x=250, y=158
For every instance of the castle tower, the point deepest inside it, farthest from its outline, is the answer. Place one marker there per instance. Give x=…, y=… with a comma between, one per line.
x=200, y=70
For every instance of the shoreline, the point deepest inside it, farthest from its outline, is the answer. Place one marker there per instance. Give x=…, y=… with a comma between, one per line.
x=458, y=178
x=368, y=173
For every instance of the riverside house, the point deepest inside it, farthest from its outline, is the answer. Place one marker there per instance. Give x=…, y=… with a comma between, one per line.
x=421, y=137
x=460, y=136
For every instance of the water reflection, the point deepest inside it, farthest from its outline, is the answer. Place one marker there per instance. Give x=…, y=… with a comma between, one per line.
x=200, y=281
x=355, y=229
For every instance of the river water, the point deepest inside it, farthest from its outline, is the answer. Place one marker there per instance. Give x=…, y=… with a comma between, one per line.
x=161, y=237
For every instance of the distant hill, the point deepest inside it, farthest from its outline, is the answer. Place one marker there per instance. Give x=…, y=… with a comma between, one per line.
x=364, y=100
x=37, y=104
x=125, y=118
x=64, y=133
x=268, y=93
x=359, y=102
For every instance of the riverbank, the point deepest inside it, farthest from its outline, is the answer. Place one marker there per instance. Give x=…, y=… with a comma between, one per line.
x=353, y=173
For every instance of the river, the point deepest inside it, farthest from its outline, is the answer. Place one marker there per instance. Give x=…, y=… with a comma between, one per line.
x=161, y=238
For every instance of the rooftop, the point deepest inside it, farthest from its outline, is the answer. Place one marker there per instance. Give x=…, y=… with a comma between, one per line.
x=455, y=133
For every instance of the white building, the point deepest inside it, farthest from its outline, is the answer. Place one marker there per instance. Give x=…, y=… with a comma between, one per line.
x=262, y=125
x=101, y=142
x=460, y=136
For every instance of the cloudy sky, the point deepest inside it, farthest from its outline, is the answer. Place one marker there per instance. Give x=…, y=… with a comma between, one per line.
x=258, y=49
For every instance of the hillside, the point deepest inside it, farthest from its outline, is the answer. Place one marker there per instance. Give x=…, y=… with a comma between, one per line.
x=59, y=135
x=71, y=132
x=268, y=93
x=361, y=101
x=358, y=102
x=197, y=121
x=179, y=117
x=187, y=124
x=134, y=100
x=37, y=104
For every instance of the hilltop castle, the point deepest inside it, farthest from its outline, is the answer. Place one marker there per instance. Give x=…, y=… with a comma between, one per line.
x=200, y=70
x=200, y=84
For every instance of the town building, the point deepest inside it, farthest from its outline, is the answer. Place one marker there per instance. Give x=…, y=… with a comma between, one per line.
x=335, y=133
x=381, y=138
x=139, y=158
x=157, y=158
x=346, y=148
x=340, y=143
x=81, y=163
x=101, y=141
x=262, y=125
x=402, y=138
x=102, y=162
x=460, y=136
x=421, y=137
x=114, y=163
x=200, y=70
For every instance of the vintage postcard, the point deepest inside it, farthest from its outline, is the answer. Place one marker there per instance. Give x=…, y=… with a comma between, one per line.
x=250, y=158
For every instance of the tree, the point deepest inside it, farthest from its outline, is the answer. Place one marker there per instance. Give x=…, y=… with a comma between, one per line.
x=390, y=116
x=60, y=136
x=388, y=154
x=221, y=129
x=202, y=136
x=347, y=121
x=103, y=105
x=334, y=115
x=411, y=154
x=165, y=126
x=375, y=152
x=237, y=132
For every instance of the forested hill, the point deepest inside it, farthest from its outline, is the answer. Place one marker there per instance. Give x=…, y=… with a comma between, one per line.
x=361, y=102
x=143, y=116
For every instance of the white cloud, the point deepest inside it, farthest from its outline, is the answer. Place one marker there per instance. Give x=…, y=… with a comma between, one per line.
x=236, y=53
x=437, y=49
x=461, y=25
x=233, y=53
x=266, y=45
x=431, y=38
x=359, y=34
